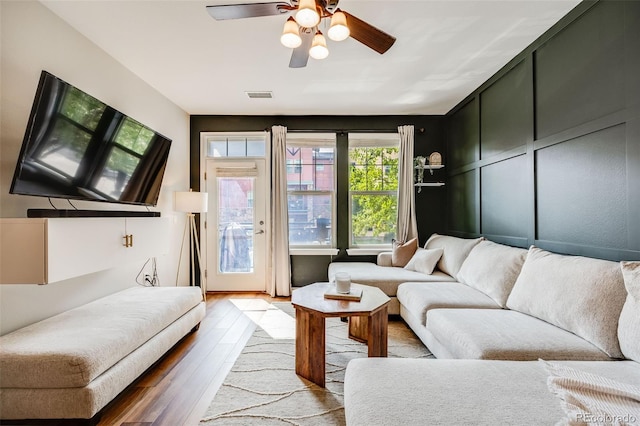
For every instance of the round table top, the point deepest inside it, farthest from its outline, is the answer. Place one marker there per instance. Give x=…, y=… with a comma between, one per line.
x=312, y=297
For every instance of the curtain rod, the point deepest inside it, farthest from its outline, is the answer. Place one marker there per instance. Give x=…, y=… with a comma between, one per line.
x=421, y=130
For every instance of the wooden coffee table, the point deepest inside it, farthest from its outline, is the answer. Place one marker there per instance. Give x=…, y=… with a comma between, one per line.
x=368, y=320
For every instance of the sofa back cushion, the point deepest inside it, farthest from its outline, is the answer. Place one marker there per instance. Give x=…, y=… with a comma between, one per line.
x=629, y=324
x=579, y=294
x=455, y=251
x=493, y=269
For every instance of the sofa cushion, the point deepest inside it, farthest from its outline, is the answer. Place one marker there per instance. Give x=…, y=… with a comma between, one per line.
x=386, y=278
x=424, y=260
x=418, y=298
x=73, y=348
x=455, y=251
x=504, y=334
x=403, y=252
x=629, y=324
x=581, y=295
x=493, y=269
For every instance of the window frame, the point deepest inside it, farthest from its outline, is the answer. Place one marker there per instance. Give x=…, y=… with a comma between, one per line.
x=315, y=140
x=369, y=140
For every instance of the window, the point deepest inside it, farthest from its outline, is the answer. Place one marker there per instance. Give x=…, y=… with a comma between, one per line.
x=373, y=188
x=310, y=189
x=235, y=146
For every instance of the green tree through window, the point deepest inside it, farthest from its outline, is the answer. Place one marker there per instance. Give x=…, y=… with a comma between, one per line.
x=373, y=187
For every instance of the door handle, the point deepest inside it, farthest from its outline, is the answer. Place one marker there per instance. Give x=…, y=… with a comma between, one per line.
x=260, y=232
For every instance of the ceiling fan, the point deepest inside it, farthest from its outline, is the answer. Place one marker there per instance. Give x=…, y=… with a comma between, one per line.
x=301, y=32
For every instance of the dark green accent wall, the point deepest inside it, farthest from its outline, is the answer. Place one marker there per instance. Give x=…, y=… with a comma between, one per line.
x=429, y=137
x=547, y=151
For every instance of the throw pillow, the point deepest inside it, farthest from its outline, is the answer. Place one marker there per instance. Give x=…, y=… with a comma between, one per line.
x=402, y=252
x=455, y=251
x=578, y=294
x=424, y=260
x=493, y=269
x=629, y=323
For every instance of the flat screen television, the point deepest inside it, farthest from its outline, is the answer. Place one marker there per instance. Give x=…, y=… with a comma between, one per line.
x=77, y=147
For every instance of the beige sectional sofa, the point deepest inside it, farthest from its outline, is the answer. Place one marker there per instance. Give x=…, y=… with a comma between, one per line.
x=71, y=365
x=501, y=311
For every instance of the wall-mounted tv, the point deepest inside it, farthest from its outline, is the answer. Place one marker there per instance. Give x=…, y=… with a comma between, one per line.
x=77, y=147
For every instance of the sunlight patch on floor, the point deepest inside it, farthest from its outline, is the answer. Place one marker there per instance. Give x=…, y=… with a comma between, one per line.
x=275, y=322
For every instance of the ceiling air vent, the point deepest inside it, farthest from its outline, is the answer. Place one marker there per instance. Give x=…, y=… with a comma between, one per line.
x=260, y=95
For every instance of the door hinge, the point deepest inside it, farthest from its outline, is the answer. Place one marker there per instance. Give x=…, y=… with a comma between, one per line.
x=205, y=224
x=205, y=175
x=205, y=273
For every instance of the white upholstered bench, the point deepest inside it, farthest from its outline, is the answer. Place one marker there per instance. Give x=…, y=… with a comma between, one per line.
x=71, y=365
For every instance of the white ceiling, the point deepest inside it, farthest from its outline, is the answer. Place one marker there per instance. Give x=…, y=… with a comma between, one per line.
x=444, y=50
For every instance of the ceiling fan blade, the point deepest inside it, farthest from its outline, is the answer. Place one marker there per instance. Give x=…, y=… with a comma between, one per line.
x=248, y=10
x=369, y=35
x=300, y=54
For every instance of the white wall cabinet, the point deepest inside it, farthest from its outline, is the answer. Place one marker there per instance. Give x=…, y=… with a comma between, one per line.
x=42, y=251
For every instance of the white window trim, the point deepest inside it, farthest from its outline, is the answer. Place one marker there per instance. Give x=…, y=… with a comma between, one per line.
x=369, y=251
x=313, y=251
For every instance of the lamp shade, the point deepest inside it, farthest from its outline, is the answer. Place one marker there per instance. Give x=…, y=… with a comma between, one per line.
x=339, y=30
x=307, y=15
x=319, y=47
x=291, y=34
x=191, y=202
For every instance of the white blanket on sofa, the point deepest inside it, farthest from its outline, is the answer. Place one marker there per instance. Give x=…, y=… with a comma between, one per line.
x=593, y=399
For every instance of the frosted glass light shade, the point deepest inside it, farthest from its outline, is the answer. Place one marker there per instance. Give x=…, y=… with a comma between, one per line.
x=191, y=202
x=307, y=15
x=291, y=34
x=319, y=47
x=339, y=30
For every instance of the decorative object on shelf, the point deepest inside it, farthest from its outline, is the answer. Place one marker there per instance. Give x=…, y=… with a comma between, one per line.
x=419, y=163
x=435, y=159
x=191, y=203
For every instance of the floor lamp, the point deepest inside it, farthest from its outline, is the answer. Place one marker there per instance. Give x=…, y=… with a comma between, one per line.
x=191, y=203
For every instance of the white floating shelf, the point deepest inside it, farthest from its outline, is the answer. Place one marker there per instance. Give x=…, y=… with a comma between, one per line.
x=430, y=184
x=428, y=167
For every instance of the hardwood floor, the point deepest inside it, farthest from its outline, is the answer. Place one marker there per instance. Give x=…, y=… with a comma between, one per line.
x=178, y=388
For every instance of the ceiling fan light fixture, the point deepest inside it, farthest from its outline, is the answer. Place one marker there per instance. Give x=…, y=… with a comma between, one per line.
x=291, y=34
x=319, y=47
x=338, y=30
x=307, y=15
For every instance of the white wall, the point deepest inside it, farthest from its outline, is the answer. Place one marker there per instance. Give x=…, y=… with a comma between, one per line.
x=32, y=39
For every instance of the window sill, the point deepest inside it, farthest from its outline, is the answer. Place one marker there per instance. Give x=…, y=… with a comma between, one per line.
x=367, y=251
x=313, y=252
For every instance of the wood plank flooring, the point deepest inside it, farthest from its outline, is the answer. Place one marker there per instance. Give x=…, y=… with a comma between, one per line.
x=177, y=390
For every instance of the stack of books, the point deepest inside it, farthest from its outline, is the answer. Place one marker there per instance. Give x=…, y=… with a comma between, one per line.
x=354, y=294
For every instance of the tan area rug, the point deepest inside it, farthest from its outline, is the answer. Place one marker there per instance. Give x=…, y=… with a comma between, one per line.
x=263, y=388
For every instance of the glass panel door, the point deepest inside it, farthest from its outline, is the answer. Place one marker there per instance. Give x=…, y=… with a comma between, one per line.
x=237, y=231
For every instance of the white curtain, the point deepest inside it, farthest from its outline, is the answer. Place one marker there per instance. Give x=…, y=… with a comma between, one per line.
x=280, y=283
x=407, y=227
